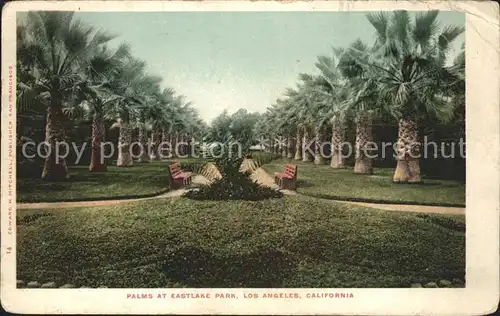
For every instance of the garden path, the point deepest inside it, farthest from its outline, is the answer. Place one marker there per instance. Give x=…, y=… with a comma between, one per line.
x=257, y=174
x=197, y=179
x=264, y=178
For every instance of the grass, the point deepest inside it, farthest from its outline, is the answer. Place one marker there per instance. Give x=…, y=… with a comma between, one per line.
x=295, y=241
x=344, y=184
x=139, y=180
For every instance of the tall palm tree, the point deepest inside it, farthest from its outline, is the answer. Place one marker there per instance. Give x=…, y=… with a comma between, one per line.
x=95, y=95
x=305, y=99
x=319, y=97
x=148, y=111
x=143, y=127
x=457, y=90
x=162, y=119
x=191, y=126
x=335, y=96
x=59, y=46
x=180, y=122
x=287, y=128
x=363, y=101
x=265, y=130
x=157, y=117
x=179, y=125
x=297, y=114
x=410, y=65
x=132, y=85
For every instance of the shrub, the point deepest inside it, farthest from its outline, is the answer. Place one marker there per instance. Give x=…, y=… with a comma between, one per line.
x=233, y=185
x=195, y=167
x=262, y=158
x=237, y=187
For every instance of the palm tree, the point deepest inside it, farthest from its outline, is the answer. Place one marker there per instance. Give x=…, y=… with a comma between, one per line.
x=132, y=86
x=335, y=96
x=59, y=46
x=296, y=116
x=265, y=130
x=409, y=62
x=179, y=124
x=149, y=113
x=93, y=96
x=288, y=128
x=157, y=116
x=305, y=101
x=363, y=101
x=162, y=121
x=319, y=97
x=194, y=126
x=457, y=89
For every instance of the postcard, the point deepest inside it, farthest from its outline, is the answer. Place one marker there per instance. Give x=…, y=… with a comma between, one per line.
x=250, y=157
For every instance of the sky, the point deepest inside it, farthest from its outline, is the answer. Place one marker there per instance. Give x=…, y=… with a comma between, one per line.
x=233, y=60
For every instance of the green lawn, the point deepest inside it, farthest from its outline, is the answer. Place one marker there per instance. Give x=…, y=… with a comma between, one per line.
x=295, y=241
x=138, y=180
x=344, y=184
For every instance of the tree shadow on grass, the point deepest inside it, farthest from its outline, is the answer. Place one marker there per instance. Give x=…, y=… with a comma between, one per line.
x=304, y=184
x=423, y=183
x=90, y=178
x=29, y=186
x=196, y=267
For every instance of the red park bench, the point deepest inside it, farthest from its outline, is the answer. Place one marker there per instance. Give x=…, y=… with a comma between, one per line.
x=178, y=177
x=288, y=178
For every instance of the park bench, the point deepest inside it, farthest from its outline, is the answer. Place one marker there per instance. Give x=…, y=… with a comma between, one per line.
x=288, y=178
x=178, y=177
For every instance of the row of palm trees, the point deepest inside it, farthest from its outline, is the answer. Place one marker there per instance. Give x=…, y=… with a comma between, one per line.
x=404, y=76
x=68, y=68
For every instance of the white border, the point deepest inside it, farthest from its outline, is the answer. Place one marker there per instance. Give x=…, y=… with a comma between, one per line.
x=483, y=191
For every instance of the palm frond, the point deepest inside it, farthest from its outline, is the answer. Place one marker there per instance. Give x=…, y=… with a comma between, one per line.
x=425, y=26
x=380, y=21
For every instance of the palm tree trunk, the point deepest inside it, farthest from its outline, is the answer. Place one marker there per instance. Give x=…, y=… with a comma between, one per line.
x=173, y=142
x=190, y=145
x=184, y=144
x=277, y=149
x=337, y=161
x=269, y=144
x=318, y=156
x=164, y=135
x=171, y=139
x=165, y=140
x=306, y=153
x=153, y=154
x=364, y=137
x=284, y=147
x=156, y=139
x=124, y=140
x=181, y=144
x=177, y=150
x=55, y=168
x=408, y=152
x=143, y=140
x=97, y=163
x=289, y=147
x=298, y=146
